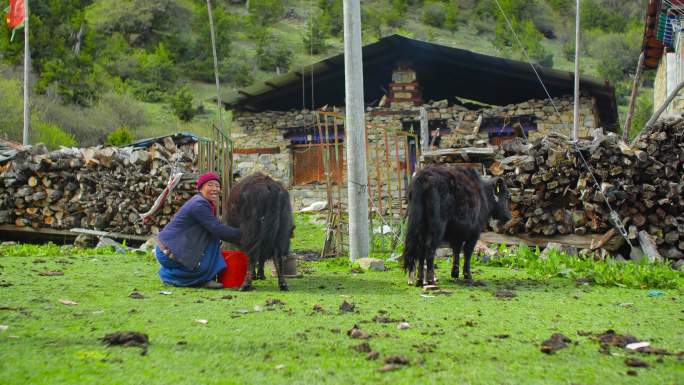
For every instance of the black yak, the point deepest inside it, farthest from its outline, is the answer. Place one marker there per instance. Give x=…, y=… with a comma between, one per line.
x=453, y=205
x=261, y=208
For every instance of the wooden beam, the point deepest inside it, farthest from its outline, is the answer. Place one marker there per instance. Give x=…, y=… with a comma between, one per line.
x=47, y=233
x=579, y=241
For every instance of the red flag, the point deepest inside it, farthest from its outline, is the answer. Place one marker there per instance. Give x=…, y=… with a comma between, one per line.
x=15, y=16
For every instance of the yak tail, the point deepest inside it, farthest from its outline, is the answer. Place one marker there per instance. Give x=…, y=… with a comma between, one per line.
x=421, y=207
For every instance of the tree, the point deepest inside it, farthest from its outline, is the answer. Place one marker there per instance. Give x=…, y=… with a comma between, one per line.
x=314, y=37
x=266, y=12
x=181, y=103
x=433, y=14
x=272, y=55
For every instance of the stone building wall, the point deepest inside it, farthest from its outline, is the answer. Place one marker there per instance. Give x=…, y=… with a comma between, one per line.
x=385, y=161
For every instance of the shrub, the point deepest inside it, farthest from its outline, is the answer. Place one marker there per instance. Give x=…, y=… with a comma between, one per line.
x=433, y=14
x=236, y=70
x=181, y=103
x=451, y=16
x=11, y=107
x=266, y=11
x=119, y=137
x=314, y=37
x=51, y=135
x=272, y=55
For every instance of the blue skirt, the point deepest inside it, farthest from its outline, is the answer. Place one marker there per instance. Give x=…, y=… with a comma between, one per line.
x=173, y=273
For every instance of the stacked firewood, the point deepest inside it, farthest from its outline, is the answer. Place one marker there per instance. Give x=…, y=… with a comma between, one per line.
x=553, y=192
x=95, y=188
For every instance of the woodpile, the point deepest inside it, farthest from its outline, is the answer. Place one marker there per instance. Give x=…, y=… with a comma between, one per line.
x=554, y=193
x=94, y=188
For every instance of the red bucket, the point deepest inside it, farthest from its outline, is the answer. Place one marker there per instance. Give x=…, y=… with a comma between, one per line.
x=236, y=268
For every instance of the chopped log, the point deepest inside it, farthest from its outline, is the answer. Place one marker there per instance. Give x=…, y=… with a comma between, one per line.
x=649, y=247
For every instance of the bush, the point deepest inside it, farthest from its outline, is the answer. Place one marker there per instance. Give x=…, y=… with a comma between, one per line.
x=236, y=70
x=314, y=37
x=51, y=135
x=11, y=109
x=181, y=103
x=266, y=12
x=451, y=16
x=642, y=112
x=119, y=137
x=616, y=55
x=433, y=14
x=272, y=55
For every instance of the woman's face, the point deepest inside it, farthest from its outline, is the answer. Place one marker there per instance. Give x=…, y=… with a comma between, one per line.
x=211, y=190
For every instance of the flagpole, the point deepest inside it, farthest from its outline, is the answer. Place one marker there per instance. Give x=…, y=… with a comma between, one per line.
x=27, y=61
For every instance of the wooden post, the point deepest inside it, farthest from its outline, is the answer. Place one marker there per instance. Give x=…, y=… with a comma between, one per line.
x=632, y=98
x=354, y=103
x=396, y=159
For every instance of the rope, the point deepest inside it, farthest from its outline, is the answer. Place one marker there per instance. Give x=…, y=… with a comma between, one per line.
x=159, y=202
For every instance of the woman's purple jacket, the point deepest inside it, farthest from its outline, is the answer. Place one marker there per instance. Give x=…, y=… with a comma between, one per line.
x=191, y=230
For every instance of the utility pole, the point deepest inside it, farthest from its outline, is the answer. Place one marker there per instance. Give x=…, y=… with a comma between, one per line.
x=27, y=64
x=575, y=117
x=357, y=188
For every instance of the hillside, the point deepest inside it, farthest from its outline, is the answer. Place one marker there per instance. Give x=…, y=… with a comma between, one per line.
x=144, y=68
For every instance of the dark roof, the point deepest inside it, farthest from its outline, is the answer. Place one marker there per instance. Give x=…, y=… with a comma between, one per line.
x=443, y=73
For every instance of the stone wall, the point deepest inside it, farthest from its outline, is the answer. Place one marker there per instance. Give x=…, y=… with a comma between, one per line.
x=387, y=166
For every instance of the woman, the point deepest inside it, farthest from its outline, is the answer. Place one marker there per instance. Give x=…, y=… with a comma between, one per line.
x=189, y=247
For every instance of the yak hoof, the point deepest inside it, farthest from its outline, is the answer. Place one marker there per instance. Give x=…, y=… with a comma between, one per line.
x=454, y=274
x=467, y=277
x=419, y=283
x=246, y=288
x=284, y=288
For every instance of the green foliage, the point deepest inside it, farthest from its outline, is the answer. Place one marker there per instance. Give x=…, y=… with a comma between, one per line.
x=51, y=135
x=314, y=37
x=120, y=137
x=237, y=70
x=266, y=12
x=451, y=16
x=616, y=54
x=272, y=55
x=371, y=20
x=594, y=14
x=331, y=19
x=309, y=232
x=11, y=107
x=143, y=23
x=433, y=14
x=642, y=112
x=201, y=62
x=639, y=275
x=181, y=103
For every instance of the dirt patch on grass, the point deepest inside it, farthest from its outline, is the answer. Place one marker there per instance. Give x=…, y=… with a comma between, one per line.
x=128, y=339
x=556, y=342
x=505, y=294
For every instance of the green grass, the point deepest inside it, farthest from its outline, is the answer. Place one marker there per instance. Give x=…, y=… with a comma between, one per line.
x=246, y=341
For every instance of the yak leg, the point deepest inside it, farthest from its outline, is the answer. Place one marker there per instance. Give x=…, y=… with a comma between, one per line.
x=247, y=283
x=456, y=247
x=278, y=262
x=260, y=269
x=467, y=252
x=430, y=269
x=420, y=269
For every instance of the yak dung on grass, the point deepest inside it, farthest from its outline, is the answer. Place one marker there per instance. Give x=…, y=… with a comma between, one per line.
x=260, y=207
x=453, y=205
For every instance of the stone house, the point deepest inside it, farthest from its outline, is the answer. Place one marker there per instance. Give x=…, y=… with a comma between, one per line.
x=286, y=126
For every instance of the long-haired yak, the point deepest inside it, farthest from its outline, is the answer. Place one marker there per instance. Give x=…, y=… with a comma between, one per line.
x=261, y=208
x=453, y=205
